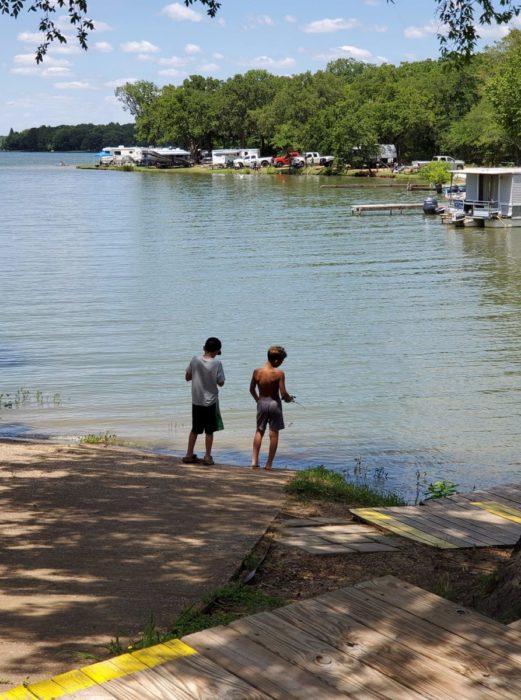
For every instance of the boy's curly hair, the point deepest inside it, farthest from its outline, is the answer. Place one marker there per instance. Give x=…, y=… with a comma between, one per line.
x=276, y=352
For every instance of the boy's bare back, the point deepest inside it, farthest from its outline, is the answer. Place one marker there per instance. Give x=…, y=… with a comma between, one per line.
x=269, y=381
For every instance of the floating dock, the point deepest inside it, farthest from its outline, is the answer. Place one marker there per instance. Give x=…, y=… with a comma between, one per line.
x=391, y=208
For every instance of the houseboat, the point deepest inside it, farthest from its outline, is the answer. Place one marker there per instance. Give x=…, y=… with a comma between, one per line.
x=493, y=197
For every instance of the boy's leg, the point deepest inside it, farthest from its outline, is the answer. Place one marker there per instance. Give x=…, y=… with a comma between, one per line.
x=274, y=443
x=257, y=441
x=192, y=438
x=208, y=444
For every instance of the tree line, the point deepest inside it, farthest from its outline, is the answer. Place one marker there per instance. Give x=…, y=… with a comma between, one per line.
x=471, y=111
x=80, y=137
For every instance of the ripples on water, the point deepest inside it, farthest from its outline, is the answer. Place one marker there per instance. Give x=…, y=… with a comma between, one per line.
x=402, y=335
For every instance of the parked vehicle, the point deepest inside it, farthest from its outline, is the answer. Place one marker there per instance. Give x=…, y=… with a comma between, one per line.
x=314, y=158
x=120, y=155
x=293, y=158
x=253, y=161
x=452, y=162
x=224, y=157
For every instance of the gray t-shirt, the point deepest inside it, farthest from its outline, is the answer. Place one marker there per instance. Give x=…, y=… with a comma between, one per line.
x=206, y=373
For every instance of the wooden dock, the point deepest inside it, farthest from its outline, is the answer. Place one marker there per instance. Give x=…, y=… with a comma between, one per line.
x=396, y=208
x=379, y=639
x=475, y=519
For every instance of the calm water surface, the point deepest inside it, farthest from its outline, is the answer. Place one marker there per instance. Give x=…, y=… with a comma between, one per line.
x=403, y=336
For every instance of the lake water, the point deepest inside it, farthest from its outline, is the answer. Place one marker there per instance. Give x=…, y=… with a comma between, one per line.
x=403, y=335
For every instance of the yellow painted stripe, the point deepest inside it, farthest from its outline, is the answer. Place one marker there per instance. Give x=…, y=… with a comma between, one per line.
x=18, y=693
x=499, y=509
x=45, y=690
x=394, y=525
x=101, y=672
x=72, y=681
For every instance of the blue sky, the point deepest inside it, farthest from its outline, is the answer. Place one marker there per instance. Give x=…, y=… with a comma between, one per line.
x=165, y=42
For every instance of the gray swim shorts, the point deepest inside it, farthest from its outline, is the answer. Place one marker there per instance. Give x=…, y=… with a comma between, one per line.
x=269, y=412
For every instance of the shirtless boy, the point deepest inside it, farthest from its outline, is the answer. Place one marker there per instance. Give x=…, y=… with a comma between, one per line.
x=268, y=387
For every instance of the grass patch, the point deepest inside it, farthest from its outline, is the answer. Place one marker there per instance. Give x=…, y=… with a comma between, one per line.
x=105, y=438
x=327, y=485
x=220, y=607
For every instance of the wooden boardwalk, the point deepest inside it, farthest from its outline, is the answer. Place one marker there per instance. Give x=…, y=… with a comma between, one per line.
x=379, y=639
x=476, y=519
x=399, y=207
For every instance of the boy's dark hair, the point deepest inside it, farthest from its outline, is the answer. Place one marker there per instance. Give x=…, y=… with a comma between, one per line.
x=213, y=345
x=277, y=352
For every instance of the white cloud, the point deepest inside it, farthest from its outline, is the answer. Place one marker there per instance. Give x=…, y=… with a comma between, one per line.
x=174, y=61
x=171, y=72
x=181, y=13
x=349, y=52
x=101, y=26
x=193, y=49
x=27, y=59
x=209, y=67
x=426, y=30
x=111, y=84
x=30, y=37
x=268, y=62
x=145, y=57
x=72, y=85
x=103, y=47
x=291, y=19
x=138, y=47
x=323, y=26
x=55, y=72
x=218, y=56
x=258, y=21
x=379, y=28
x=221, y=22
x=372, y=3
x=65, y=49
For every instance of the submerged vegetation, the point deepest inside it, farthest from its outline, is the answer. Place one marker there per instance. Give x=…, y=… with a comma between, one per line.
x=25, y=398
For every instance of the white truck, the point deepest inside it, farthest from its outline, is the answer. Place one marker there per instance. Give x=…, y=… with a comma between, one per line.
x=253, y=160
x=451, y=162
x=314, y=158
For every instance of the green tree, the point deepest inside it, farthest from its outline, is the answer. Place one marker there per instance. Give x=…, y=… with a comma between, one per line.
x=137, y=97
x=503, y=88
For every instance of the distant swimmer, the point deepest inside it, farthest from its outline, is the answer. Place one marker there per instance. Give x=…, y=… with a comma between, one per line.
x=268, y=388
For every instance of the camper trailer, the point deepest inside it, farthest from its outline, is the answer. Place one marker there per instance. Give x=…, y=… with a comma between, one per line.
x=224, y=157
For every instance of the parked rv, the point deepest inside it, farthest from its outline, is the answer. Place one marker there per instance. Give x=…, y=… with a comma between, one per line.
x=224, y=157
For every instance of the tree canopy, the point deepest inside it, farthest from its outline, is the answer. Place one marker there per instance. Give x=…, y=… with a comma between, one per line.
x=460, y=20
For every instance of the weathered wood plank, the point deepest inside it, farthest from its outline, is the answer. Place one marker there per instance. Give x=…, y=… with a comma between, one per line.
x=258, y=666
x=389, y=656
x=443, y=526
x=382, y=519
x=476, y=521
x=186, y=678
x=480, y=666
x=342, y=672
x=455, y=619
x=501, y=510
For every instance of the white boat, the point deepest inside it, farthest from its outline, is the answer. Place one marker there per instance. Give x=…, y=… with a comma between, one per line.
x=493, y=197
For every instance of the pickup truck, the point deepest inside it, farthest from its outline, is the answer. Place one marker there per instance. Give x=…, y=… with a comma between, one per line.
x=294, y=158
x=452, y=162
x=314, y=158
x=253, y=161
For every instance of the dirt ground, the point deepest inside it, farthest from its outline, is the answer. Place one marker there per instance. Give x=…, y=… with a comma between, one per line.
x=462, y=576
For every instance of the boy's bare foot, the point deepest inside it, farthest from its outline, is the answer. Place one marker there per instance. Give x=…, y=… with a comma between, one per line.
x=255, y=466
x=268, y=468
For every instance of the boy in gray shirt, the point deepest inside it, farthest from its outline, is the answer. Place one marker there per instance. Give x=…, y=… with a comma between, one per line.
x=206, y=374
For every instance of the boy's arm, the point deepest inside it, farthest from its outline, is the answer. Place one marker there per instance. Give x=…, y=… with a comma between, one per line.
x=282, y=388
x=188, y=372
x=253, y=386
